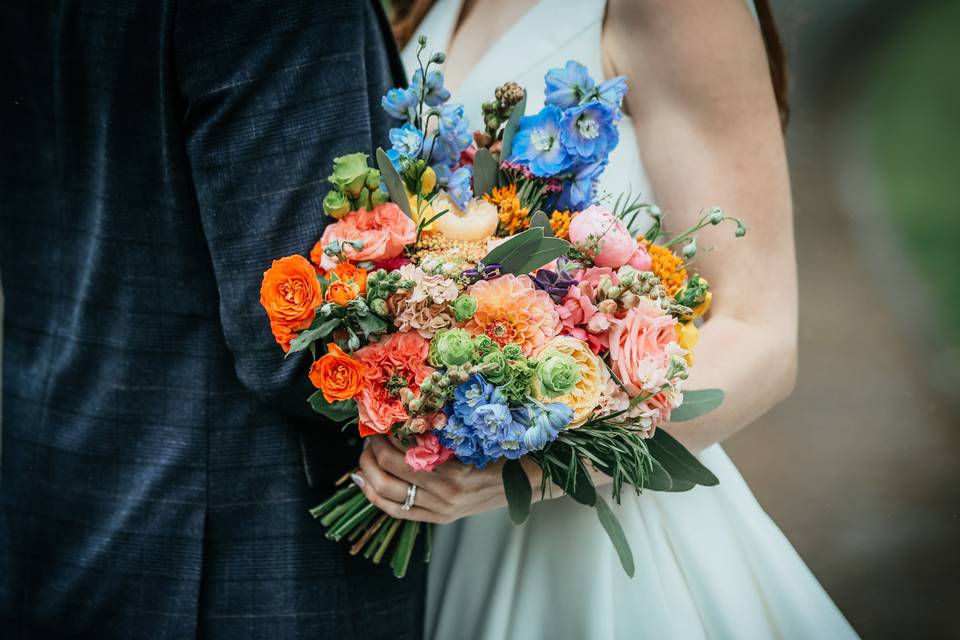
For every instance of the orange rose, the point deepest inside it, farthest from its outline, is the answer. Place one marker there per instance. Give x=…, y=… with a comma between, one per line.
x=290, y=294
x=341, y=292
x=347, y=272
x=337, y=375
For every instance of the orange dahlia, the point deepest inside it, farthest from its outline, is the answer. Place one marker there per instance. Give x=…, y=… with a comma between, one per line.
x=511, y=310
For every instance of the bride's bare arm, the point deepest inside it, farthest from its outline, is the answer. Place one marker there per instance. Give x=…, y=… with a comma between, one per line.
x=707, y=124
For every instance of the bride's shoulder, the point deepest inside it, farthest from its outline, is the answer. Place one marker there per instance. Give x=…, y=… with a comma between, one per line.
x=686, y=52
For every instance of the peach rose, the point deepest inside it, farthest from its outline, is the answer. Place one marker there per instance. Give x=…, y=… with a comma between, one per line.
x=290, y=293
x=396, y=362
x=385, y=232
x=641, y=344
x=340, y=293
x=337, y=375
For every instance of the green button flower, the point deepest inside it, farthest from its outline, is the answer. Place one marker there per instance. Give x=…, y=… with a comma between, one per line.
x=558, y=373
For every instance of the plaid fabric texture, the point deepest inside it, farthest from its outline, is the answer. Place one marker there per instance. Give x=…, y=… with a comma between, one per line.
x=157, y=154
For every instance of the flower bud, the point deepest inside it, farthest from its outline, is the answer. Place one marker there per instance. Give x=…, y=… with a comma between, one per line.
x=422, y=40
x=438, y=57
x=741, y=229
x=690, y=249
x=607, y=306
x=335, y=204
x=379, y=306
x=373, y=180
x=629, y=300
x=353, y=343
x=464, y=307
x=716, y=215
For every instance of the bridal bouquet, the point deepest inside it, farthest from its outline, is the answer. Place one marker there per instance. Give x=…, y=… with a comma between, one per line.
x=476, y=298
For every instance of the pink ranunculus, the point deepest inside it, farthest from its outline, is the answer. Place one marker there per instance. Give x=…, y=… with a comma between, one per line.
x=427, y=454
x=581, y=320
x=385, y=232
x=600, y=234
x=641, y=344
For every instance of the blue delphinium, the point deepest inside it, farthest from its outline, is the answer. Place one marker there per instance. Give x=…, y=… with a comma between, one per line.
x=578, y=191
x=536, y=143
x=458, y=185
x=407, y=140
x=588, y=131
x=461, y=438
x=567, y=87
x=434, y=93
x=400, y=103
x=611, y=93
x=542, y=422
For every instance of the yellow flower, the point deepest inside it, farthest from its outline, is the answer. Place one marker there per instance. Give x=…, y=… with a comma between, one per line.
x=585, y=395
x=513, y=217
x=560, y=223
x=668, y=267
x=687, y=337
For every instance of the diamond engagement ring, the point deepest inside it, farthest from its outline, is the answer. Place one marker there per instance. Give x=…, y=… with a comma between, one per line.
x=411, y=498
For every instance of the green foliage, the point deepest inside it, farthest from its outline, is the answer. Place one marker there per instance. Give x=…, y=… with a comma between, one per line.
x=485, y=173
x=697, y=403
x=516, y=485
x=540, y=219
x=683, y=467
x=341, y=411
x=615, y=532
x=527, y=251
x=511, y=127
x=393, y=182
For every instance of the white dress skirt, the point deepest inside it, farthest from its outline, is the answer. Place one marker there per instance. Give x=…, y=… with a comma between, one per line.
x=709, y=562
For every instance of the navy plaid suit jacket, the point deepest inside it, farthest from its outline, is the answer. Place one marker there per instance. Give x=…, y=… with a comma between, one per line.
x=157, y=155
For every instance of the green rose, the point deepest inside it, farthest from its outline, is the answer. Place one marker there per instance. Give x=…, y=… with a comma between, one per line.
x=350, y=173
x=454, y=347
x=513, y=352
x=464, y=307
x=558, y=373
x=379, y=197
x=335, y=204
x=495, y=367
x=482, y=345
x=372, y=181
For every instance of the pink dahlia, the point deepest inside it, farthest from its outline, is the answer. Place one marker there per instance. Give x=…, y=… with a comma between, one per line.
x=511, y=310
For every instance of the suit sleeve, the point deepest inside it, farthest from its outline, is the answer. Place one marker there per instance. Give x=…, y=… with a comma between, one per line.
x=272, y=92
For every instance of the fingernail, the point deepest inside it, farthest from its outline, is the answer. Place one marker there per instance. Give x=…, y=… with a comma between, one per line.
x=357, y=479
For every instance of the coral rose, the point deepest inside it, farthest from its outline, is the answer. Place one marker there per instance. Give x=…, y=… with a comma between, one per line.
x=641, y=345
x=290, y=294
x=347, y=272
x=396, y=362
x=427, y=454
x=337, y=375
x=385, y=232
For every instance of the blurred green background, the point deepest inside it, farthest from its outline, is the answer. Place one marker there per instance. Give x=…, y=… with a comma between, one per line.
x=861, y=466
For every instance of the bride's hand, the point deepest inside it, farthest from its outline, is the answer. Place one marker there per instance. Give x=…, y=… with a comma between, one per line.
x=452, y=491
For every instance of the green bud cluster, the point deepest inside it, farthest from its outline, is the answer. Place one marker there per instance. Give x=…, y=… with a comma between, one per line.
x=382, y=284
x=464, y=307
x=694, y=292
x=497, y=111
x=435, y=390
x=355, y=186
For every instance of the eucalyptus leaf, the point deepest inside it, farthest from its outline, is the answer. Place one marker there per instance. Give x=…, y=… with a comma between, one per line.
x=485, y=173
x=393, y=182
x=682, y=465
x=534, y=256
x=540, y=219
x=515, y=243
x=659, y=479
x=516, y=485
x=697, y=403
x=337, y=412
x=619, y=539
x=506, y=146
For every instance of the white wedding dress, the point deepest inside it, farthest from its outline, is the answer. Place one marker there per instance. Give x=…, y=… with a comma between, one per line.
x=710, y=563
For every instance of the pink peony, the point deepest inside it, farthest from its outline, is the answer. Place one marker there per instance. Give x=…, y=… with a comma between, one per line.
x=641, y=345
x=427, y=454
x=599, y=234
x=397, y=361
x=385, y=232
x=641, y=260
